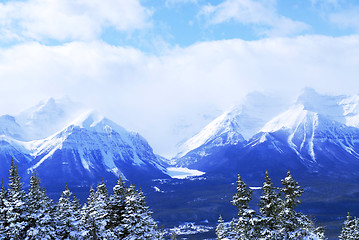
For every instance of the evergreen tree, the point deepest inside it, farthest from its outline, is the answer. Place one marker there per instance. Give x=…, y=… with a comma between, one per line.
x=242, y=197
x=16, y=215
x=101, y=211
x=66, y=219
x=246, y=226
x=117, y=208
x=95, y=214
x=350, y=229
x=295, y=225
x=221, y=230
x=3, y=197
x=278, y=219
x=88, y=225
x=292, y=191
x=270, y=208
x=40, y=212
x=137, y=220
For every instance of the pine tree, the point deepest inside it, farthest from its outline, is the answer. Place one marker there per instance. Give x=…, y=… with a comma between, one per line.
x=221, y=230
x=101, y=211
x=137, y=220
x=66, y=219
x=247, y=226
x=350, y=229
x=76, y=218
x=95, y=214
x=88, y=226
x=3, y=197
x=40, y=212
x=117, y=208
x=278, y=219
x=242, y=197
x=16, y=215
x=292, y=191
x=295, y=225
x=270, y=208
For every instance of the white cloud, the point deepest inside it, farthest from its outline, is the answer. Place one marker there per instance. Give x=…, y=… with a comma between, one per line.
x=348, y=18
x=69, y=19
x=340, y=13
x=150, y=94
x=258, y=13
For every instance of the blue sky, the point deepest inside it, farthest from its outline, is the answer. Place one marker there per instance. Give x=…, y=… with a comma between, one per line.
x=155, y=24
x=155, y=65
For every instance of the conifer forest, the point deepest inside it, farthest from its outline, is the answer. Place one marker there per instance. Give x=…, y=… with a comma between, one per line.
x=124, y=214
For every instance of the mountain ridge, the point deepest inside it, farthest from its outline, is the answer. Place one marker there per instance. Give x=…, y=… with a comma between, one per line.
x=83, y=150
x=317, y=129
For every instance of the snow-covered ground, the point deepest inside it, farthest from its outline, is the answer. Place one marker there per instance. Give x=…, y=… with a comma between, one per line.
x=188, y=228
x=181, y=172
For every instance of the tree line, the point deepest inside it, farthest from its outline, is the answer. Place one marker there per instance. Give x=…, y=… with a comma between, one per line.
x=124, y=214
x=277, y=217
x=33, y=215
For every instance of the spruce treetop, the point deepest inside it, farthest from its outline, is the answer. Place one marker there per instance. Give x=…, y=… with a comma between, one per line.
x=242, y=197
x=292, y=191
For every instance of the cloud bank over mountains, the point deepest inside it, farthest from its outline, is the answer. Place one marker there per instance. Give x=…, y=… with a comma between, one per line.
x=212, y=53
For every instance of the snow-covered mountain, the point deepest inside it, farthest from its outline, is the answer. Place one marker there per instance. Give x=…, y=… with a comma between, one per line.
x=9, y=127
x=232, y=128
x=317, y=133
x=237, y=124
x=81, y=151
x=47, y=117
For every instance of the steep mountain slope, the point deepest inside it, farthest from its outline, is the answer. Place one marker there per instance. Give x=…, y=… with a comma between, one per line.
x=91, y=148
x=231, y=129
x=13, y=149
x=80, y=152
x=311, y=136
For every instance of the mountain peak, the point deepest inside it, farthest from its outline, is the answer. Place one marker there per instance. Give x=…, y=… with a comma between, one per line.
x=237, y=124
x=94, y=121
x=48, y=117
x=226, y=123
x=326, y=105
x=88, y=119
x=289, y=119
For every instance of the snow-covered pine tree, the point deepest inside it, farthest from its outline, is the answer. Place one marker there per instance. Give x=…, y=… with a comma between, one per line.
x=66, y=220
x=95, y=214
x=295, y=225
x=292, y=191
x=101, y=211
x=278, y=219
x=88, y=226
x=137, y=220
x=247, y=224
x=16, y=215
x=350, y=229
x=40, y=212
x=221, y=230
x=117, y=208
x=270, y=207
x=3, y=197
x=242, y=197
